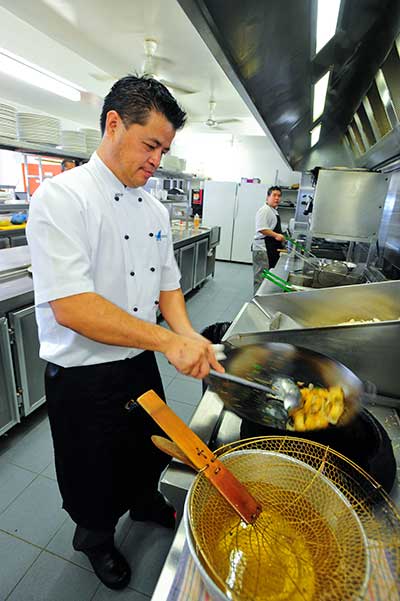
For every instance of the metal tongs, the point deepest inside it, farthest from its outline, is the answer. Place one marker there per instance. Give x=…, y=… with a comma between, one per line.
x=278, y=281
x=281, y=388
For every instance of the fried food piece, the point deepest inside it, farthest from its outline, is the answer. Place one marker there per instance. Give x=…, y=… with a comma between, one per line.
x=319, y=408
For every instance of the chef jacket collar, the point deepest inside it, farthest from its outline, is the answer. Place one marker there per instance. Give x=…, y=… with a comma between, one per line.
x=108, y=177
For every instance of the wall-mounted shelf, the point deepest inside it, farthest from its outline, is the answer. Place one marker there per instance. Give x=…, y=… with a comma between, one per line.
x=39, y=149
x=11, y=208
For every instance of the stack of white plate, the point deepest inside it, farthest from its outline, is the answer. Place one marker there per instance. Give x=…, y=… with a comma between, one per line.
x=8, y=121
x=38, y=128
x=73, y=141
x=93, y=139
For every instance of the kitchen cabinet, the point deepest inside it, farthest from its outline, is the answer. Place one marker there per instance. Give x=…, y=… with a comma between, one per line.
x=29, y=367
x=200, y=273
x=187, y=263
x=9, y=413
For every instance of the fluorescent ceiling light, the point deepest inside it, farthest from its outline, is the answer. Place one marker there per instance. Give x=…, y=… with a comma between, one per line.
x=315, y=133
x=17, y=67
x=327, y=16
x=320, y=90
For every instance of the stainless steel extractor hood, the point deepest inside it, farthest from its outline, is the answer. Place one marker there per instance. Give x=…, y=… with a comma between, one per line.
x=266, y=49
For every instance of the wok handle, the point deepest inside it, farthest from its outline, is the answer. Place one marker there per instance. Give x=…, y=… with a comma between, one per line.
x=201, y=456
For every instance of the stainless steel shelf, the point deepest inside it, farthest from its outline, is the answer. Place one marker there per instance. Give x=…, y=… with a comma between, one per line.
x=173, y=174
x=39, y=149
x=10, y=208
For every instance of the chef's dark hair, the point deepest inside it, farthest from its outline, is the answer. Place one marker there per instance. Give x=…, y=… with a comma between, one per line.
x=272, y=189
x=134, y=97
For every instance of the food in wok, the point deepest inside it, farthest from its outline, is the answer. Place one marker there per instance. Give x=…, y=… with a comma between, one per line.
x=319, y=407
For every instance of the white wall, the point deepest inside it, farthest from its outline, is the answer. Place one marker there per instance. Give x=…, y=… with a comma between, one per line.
x=222, y=157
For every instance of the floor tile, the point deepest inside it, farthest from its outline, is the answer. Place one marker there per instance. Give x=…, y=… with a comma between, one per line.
x=105, y=594
x=13, y=480
x=34, y=452
x=53, y=579
x=184, y=410
x=50, y=471
x=146, y=548
x=186, y=391
x=36, y=514
x=16, y=557
x=166, y=369
x=61, y=543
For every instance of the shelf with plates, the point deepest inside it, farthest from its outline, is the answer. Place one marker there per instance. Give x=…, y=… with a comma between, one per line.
x=39, y=149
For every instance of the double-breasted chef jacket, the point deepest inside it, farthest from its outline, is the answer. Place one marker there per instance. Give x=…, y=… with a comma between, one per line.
x=87, y=232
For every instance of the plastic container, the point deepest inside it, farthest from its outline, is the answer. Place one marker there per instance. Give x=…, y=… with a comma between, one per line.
x=196, y=221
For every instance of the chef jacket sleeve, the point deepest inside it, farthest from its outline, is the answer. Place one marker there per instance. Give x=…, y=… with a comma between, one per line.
x=58, y=243
x=265, y=219
x=170, y=276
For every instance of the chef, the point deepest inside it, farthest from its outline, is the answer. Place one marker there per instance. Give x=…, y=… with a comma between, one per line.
x=103, y=264
x=67, y=164
x=268, y=237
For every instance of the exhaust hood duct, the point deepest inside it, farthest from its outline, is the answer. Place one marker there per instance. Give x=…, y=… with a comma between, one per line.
x=265, y=49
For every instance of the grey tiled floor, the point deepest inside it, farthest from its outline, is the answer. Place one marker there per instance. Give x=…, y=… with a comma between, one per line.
x=37, y=562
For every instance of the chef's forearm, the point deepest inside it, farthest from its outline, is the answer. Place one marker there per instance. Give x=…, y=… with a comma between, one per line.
x=173, y=309
x=270, y=233
x=93, y=316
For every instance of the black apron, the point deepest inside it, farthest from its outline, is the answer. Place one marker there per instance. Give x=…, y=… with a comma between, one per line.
x=105, y=460
x=272, y=245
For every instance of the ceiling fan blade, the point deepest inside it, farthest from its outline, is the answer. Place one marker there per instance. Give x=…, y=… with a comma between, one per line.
x=179, y=89
x=222, y=121
x=103, y=76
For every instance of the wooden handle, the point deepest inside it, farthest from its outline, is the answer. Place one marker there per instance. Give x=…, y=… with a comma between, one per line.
x=201, y=457
x=170, y=448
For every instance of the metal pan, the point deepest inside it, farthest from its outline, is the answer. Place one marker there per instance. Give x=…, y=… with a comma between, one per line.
x=261, y=362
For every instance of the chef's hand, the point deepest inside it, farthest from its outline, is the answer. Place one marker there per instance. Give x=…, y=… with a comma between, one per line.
x=279, y=237
x=192, y=356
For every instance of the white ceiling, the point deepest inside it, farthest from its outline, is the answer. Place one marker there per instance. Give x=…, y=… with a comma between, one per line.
x=89, y=43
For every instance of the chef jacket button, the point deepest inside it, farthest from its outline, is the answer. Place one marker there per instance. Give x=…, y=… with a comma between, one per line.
x=132, y=273
x=135, y=309
x=126, y=237
x=140, y=199
x=116, y=197
x=156, y=302
x=151, y=234
x=152, y=268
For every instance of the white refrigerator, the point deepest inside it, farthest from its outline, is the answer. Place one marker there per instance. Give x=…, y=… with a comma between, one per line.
x=233, y=207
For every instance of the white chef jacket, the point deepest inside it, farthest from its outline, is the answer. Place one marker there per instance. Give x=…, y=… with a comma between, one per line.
x=87, y=232
x=266, y=219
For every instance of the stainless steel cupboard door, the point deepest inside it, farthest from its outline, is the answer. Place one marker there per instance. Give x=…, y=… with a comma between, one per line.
x=201, y=262
x=9, y=414
x=29, y=367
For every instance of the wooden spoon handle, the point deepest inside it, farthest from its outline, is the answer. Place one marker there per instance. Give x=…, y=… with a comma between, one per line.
x=201, y=456
x=170, y=448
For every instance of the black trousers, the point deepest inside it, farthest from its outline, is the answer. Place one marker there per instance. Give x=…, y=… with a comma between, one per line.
x=105, y=460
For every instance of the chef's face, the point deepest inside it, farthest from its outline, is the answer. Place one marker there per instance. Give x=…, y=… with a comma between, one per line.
x=137, y=149
x=274, y=198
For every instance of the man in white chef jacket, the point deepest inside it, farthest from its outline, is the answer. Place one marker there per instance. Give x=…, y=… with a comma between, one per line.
x=268, y=237
x=103, y=263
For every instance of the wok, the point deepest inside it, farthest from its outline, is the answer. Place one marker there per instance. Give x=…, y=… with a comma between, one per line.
x=262, y=362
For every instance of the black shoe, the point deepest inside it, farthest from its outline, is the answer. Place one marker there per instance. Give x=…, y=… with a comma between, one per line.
x=109, y=566
x=157, y=509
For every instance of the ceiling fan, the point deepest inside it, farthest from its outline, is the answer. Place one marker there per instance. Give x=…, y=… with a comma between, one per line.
x=214, y=123
x=149, y=68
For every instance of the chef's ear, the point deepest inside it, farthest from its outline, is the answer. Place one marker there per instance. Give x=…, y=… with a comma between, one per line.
x=113, y=122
